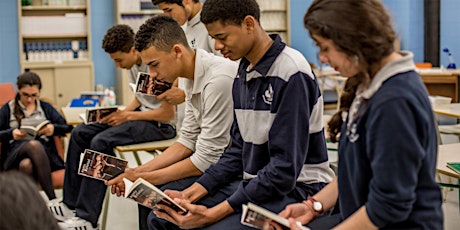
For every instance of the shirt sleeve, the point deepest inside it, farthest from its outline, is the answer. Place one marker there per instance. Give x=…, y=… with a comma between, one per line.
x=212, y=136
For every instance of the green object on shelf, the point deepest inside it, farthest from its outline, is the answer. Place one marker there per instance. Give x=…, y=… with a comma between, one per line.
x=26, y=2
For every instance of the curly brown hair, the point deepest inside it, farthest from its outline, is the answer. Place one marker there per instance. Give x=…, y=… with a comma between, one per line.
x=361, y=29
x=118, y=38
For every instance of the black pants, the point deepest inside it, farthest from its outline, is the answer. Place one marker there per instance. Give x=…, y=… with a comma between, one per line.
x=84, y=194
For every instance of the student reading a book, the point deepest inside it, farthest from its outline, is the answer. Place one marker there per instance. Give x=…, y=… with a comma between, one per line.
x=387, y=144
x=278, y=153
x=36, y=157
x=22, y=206
x=187, y=14
x=144, y=119
x=205, y=132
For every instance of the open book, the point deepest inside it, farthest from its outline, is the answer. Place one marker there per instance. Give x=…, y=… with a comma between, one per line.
x=149, y=195
x=149, y=85
x=32, y=129
x=100, y=166
x=454, y=166
x=96, y=114
x=261, y=218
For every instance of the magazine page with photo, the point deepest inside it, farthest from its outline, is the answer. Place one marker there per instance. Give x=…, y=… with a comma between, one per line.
x=96, y=114
x=149, y=195
x=149, y=85
x=100, y=166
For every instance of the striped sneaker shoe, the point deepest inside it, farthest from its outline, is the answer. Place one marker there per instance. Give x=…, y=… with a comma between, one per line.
x=60, y=211
x=77, y=223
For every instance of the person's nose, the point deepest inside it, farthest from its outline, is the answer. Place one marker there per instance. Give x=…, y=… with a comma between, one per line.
x=153, y=73
x=218, y=45
x=323, y=59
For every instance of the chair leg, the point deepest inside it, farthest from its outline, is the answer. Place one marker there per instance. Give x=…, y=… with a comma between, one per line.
x=138, y=159
x=106, y=209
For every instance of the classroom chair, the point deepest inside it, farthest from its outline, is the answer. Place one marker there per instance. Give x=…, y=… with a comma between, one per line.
x=7, y=92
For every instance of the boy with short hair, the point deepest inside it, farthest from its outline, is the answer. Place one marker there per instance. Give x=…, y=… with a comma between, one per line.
x=278, y=145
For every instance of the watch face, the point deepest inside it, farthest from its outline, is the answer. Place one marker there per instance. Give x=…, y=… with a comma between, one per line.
x=317, y=206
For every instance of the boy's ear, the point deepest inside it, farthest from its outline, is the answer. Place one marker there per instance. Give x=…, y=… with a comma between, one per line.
x=249, y=22
x=177, y=50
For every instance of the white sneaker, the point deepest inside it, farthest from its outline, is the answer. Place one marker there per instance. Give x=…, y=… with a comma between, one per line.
x=76, y=223
x=60, y=211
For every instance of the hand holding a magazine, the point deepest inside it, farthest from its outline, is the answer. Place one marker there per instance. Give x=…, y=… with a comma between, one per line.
x=173, y=96
x=197, y=216
x=299, y=212
x=118, y=186
x=116, y=118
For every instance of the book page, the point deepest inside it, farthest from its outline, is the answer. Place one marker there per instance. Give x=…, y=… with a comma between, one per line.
x=149, y=195
x=100, y=166
x=31, y=127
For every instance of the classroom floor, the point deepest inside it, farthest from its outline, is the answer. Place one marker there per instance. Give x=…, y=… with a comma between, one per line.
x=122, y=213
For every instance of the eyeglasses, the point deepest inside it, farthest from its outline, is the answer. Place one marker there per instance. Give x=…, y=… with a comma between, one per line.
x=35, y=95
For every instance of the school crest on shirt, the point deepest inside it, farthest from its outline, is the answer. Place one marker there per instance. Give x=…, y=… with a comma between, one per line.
x=268, y=95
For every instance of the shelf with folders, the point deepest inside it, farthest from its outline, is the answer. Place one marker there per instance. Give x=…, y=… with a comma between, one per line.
x=274, y=17
x=134, y=12
x=55, y=50
x=54, y=30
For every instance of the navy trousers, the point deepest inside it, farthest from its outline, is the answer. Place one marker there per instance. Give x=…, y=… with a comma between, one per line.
x=86, y=195
x=300, y=193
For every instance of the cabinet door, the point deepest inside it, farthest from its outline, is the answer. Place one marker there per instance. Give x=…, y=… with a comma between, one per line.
x=70, y=81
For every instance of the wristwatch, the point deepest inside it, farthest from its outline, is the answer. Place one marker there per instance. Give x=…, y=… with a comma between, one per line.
x=316, y=205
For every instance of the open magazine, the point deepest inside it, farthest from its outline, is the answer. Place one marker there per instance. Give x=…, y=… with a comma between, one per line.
x=96, y=114
x=100, y=166
x=32, y=129
x=149, y=195
x=261, y=218
x=150, y=85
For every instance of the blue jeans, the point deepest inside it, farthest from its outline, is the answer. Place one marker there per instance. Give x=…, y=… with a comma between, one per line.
x=86, y=195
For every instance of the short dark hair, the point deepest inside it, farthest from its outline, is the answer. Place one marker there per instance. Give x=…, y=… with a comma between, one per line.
x=229, y=11
x=178, y=2
x=118, y=38
x=160, y=31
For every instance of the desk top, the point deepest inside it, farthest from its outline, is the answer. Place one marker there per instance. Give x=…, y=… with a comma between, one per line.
x=438, y=72
x=453, y=110
x=72, y=114
x=448, y=153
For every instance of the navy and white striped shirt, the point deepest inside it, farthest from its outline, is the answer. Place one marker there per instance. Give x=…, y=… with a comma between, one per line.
x=277, y=134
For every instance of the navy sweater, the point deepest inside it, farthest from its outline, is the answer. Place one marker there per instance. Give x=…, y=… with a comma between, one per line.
x=277, y=134
x=388, y=162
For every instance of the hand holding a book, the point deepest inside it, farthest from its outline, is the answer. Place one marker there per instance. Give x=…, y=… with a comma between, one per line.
x=18, y=134
x=299, y=212
x=47, y=130
x=173, y=96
